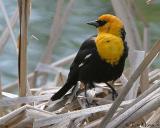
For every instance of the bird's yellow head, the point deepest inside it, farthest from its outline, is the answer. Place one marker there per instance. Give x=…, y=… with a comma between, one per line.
x=109, y=41
x=108, y=23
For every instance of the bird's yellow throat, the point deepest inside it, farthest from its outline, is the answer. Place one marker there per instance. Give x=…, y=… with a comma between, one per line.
x=109, y=47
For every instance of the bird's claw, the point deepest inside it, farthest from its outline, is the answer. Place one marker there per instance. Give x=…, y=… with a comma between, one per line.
x=114, y=95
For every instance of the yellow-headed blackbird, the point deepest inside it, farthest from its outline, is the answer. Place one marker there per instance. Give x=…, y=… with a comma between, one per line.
x=101, y=58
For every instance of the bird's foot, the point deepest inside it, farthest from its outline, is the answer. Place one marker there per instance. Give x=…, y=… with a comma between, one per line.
x=114, y=95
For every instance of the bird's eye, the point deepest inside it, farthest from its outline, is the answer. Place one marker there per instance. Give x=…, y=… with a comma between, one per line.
x=101, y=22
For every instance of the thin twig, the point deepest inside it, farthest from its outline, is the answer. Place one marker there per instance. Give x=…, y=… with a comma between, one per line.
x=6, y=33
x=56, y=30
x=6, y=118
x=137, y=58
x=23, y=100
x=1, y=109
x=8, y=24
x=73, y=115
x=123, y=11
x=11, y=87
x=9, y=95
x=57, y=27
x=54, y=34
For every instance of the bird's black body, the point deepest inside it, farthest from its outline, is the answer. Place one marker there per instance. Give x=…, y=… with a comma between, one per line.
x=88, y=67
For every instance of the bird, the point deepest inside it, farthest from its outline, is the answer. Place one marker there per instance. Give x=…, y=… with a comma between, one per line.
x=101, y=58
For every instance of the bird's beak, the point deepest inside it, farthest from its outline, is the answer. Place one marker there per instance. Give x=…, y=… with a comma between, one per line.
x=94, y=23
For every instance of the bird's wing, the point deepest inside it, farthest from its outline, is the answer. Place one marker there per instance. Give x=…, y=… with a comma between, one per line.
x=85, y=51
x=81, y=58
x=83, y=55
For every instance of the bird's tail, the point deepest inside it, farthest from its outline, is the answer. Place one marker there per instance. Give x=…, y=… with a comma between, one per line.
x=66, y=87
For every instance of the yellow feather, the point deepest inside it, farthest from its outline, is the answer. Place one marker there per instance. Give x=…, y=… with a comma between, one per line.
x=113, y=25
x=109, y=47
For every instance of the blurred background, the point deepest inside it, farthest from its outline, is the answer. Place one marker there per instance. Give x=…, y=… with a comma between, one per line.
x=71, y=30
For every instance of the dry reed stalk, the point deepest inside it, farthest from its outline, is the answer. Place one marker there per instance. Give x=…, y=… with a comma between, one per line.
x=44, y=68
x=26, y=122
x=149, y=107
x=23, y=100
x=154, y=118
x=22, y=117
x=24, y=9
x=8, y=30
x=146, y=38
x=137, y=58
x=9, y=95
x=54, y=65
x=6, y=33
x=142, y=18
x=153, y=52
x=154, y=72
x=11, y=87
x=144, y=79
x=93, y=123
x=53, y=38
x=56, y=30
x=1, y=108
x=123, y=79
x=14, y=121
x=72, y=115
x=139, y=98
x=38, y=114
x=131, y=13
x=54, y=33
x=64, y=61
x=10, y=116
x=0, y=87
x=122, y=10
x=136, y=109
x=8, y=23
x=67, y=12
x=61, y=62
x=154, y=75
x=61, y=125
